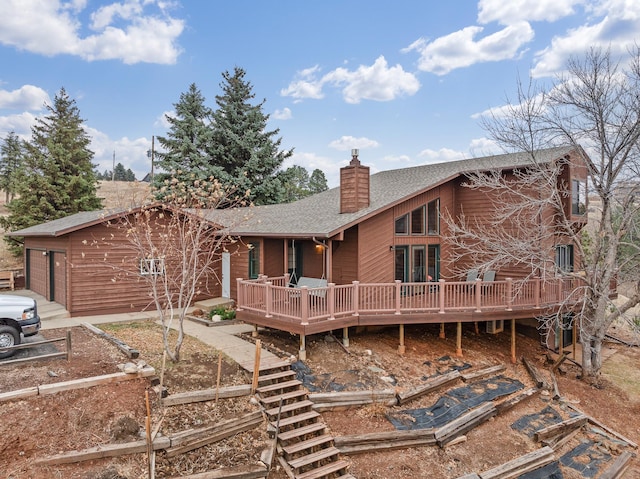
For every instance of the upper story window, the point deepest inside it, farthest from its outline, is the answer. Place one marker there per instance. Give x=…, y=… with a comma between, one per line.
x=254, y=260
x=433, y=217
x=417, y=221
x=578, y=197
x=425, y=219
x=402, y=225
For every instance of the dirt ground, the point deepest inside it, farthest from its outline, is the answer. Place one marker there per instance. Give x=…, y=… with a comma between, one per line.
x=46, y=425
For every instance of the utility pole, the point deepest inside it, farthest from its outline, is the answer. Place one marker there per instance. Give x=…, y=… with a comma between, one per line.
x=151, y=154
x=113, y=168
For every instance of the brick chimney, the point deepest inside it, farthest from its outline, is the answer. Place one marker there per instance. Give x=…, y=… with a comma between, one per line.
x=354, y=185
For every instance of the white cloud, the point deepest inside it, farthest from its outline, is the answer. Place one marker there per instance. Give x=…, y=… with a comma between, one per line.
x=284, y=114
x=161, y=121
x=513, y=11
x=305, y=85
x=27, y=97
x=132, y=153
x=619, y=22
x=480, y=147
x=20, y=124
x=52, y=27
x=462, y=49
x=377, y=82
x=441, y=155
x=346, y=143
x=311, y=161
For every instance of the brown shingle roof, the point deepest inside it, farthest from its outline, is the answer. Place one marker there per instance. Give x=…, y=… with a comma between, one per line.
x=319, y=215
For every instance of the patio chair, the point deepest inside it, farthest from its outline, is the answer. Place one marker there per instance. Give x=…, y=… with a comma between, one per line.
x=472, y=275
x=489, y=276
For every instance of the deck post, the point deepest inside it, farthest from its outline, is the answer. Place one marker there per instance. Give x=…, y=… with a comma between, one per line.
x=304, y=305
x=356, y=295
x=442, y=335
x=239, y=294
x=331, y=300
x=302, y=354
x=268, y=300
x=254, y=333
x=459, y=340
x=345, y=337
x=401, y=347
x=478, y=291
x=398, y=295
x=441, y=295
x=513, y=341
x=509, y=294
x=537, y=292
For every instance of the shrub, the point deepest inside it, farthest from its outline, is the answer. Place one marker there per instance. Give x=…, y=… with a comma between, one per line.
x=225, y=313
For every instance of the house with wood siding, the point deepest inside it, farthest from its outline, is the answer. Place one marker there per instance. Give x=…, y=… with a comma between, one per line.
x=371, y=251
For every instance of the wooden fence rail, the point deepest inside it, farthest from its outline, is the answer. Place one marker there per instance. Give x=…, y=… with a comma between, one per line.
x=66, y=353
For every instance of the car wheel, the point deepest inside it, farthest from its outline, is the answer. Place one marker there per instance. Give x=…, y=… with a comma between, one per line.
x=8, y=337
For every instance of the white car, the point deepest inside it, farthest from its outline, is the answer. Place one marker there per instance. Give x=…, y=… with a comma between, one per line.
x=18, y=316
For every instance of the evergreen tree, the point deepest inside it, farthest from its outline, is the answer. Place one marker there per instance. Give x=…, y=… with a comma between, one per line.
x=242, y=147
x=57, y=178
x=119, y=173
x=129, y=175
x=296, y=183
x=10, y=162
x=183, y=154
x=317, y=182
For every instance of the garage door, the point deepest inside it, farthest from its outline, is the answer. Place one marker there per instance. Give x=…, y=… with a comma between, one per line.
x=59, y=277
x=37, y=274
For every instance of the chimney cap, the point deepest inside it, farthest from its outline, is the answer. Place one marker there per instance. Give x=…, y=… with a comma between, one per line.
x=354, y=157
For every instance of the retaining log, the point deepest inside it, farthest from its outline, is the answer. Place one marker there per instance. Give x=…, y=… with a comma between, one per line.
x=539, y=379
x=430, y=386
x=490, y=371
x=464, y=423
x=560, y=428
x=384, y=441
x=207, y=395
x=121, y=345
x=521, y=465
x=618, y=468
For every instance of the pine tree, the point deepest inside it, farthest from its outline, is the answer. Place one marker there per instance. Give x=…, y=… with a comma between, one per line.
x=57, y=178
x=296, y=183
x=10, y=162
x=183, y=153
x=317, y=182
x=242, y=147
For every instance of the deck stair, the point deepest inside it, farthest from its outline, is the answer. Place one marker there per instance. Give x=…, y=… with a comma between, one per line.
x=305, y=447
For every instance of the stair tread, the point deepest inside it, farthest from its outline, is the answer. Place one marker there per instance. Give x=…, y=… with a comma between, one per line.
x=324, y=470
x=306, y=444
x=266, y=365
x=277, y=386
x=275, y=399
x=314, y=457
x=289, y=407
x=287, y=421
x=278, y=375
x=301, y=431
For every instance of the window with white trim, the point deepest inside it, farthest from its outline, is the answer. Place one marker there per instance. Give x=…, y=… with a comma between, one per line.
x=154, y=266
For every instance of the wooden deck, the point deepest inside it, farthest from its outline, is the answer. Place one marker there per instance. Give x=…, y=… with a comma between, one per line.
x=270, y=302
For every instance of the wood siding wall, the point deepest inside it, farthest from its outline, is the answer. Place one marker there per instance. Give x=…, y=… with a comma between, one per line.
x=345, y=257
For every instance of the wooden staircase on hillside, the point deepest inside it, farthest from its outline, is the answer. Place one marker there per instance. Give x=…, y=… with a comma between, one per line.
x=305, y=448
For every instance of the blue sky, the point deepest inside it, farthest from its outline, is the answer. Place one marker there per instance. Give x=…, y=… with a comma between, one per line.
x=406, y=82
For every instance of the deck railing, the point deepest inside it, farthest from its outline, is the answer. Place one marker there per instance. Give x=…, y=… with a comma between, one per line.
x=273, y=297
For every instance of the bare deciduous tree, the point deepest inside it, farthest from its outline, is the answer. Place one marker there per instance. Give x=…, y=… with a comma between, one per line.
x=175, y=247
x=593, y=108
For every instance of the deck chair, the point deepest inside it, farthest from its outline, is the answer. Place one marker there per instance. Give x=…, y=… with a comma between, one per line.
x=489, y=276
x=472, y=275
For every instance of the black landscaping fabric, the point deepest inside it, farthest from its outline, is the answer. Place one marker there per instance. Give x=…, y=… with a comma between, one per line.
x=454, y=403
x=586, y=458
x=550, y=471
x=531, y=423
